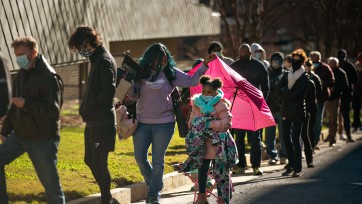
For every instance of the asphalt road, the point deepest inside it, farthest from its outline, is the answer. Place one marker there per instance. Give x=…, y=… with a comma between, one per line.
x=336, y=178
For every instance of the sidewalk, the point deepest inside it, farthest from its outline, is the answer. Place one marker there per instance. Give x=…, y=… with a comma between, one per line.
x=177, y=186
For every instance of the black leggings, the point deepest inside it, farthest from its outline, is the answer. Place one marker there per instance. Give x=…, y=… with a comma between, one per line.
x=96, y=153
x=202, y=176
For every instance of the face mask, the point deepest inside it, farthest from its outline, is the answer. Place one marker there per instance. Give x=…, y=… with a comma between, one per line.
x=23, y=61
x=258, y=55
x=161, y=68
x=85, y=53
x=206, y=98
x=316, y=64
x=296, y=64
x=275, y=64
x=244, y=57
x=218, y=54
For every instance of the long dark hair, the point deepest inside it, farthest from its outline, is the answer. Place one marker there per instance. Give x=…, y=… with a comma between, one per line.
x=154, y=53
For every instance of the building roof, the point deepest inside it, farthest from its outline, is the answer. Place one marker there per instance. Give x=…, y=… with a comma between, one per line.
x=51, y=22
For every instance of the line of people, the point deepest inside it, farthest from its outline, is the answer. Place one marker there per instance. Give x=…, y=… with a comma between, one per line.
x=296, y=93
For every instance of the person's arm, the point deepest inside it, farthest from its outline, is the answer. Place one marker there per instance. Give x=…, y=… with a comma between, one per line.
x=185, y=80
x=224, y=123
x=329, y=76
x=108, y=84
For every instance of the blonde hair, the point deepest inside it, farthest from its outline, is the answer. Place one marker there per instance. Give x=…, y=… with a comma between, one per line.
x=27, y=41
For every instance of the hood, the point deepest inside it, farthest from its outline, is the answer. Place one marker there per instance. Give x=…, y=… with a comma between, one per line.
x=254, y=47
x=342, y=55
x=277, y=55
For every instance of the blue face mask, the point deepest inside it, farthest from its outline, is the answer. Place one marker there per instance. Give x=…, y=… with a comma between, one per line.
x=23, y=61
x=258, y=55
x=316, y=64
x=218, y=54
x=206, y=98
x=85, y=53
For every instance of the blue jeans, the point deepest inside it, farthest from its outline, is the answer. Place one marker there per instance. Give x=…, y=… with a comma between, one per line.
x=270, y=136
x=159, y=135
x=43, y=155
x=292, y=131
x=255, y=139
x=318, y=122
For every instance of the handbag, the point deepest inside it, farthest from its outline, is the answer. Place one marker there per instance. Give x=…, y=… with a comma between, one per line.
x=180, y=117
x=125, y=126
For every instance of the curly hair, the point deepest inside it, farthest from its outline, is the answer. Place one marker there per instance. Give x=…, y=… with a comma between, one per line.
x=216, y=83
x=84, y=34
x=300, y=53
x=154, y=54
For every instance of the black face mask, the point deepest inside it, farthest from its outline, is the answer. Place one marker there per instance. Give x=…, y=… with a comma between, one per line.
x=244, y=57
x=297, y=64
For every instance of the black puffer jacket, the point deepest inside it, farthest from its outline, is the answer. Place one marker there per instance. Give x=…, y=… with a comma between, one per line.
x=97, y=107
x=341, y=84
x=39, y=119
x=311, y=98
x=293, y=101
x=254, y=72
x=5, y=87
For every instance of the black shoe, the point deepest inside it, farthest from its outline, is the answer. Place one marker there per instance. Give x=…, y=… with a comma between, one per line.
x=288, y=172
x=310, y=165
x=114, y=201
x=332, y=144
x=297, y=174
x=350, y=140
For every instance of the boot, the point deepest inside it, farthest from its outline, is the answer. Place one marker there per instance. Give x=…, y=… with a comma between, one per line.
x=201, y=199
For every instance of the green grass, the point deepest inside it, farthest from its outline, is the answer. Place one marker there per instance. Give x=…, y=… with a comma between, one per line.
x=77, y=181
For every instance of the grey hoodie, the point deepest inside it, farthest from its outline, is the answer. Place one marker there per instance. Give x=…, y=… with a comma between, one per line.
x=254, y=47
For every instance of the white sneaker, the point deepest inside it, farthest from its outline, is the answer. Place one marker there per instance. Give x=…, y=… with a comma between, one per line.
x=342, y=137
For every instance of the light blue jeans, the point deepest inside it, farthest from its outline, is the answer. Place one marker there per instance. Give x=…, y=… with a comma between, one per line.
x=159, y=135
x=43, y=155
x=270, y=137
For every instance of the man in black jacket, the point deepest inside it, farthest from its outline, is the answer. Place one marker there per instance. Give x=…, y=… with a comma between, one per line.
x=332, y=105
x=276, y=73
x=346, y=99
x=32, y=123
x=5, y=86
x=256, y=73
x=97, y=108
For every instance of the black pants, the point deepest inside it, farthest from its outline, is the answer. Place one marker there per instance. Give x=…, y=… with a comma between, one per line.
x=345, y=109
x=202, y=176
x=292, y=129
x=356, y=105
x=311, y=124
x=308, y=148
x=99, y=141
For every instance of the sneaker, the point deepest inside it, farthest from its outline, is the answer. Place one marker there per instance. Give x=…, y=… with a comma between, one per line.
x=283, y=160
x=332, y=144
x=113, y=201
x=288, y=172
x=272, y=162
x=257, y=171
x=296, y=174
x=238, y=170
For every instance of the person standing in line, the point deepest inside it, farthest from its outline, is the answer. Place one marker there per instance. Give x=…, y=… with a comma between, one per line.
x=326, y=76
x=97, y=108
x=5, y=86
x=358, y=94
x=256, y=74
x=346, y=99
x=32, y=124
x=276, y=73
x=217, y=48
x=292, y=90
x=333, y=103
x=311, y=108
x=313, y=111
x=259, y=53
x=156, y=120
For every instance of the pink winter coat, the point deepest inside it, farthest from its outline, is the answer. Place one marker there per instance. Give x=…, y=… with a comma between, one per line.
x=221, y=124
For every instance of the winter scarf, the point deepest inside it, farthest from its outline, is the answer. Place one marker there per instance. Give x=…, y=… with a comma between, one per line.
x=207, y=108
x=294, y=76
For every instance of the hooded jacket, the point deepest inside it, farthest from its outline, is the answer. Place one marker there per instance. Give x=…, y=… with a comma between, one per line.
x=254, y=47
x=275, y=75
x=350, y=70
x=39, y=118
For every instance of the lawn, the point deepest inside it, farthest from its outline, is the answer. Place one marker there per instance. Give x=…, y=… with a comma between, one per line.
x=77, y=181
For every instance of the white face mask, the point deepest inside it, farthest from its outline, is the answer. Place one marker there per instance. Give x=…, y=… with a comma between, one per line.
x=258, y=55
